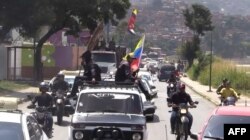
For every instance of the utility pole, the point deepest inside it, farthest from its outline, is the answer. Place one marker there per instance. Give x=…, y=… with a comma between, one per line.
x=211, y=59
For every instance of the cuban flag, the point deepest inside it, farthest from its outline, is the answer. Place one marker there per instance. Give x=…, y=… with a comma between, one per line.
x=137, y=54
x=131, y=23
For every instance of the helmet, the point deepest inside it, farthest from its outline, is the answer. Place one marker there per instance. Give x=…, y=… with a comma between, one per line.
x=182, y=86
x=225, y=80
x=228, y=83
x=43, y=86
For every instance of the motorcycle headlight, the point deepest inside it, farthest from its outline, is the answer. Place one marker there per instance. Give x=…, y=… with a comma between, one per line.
x=183, y=111
x=136, y=136
x=79, y=135
x=59, y=101
x=111, y=73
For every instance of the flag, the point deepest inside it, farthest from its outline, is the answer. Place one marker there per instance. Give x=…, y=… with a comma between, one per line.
x=137, y=54
x=131, y=23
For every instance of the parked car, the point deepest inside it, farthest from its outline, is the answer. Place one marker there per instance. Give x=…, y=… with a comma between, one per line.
x=15, y=125
x=214, y=127
x=148, y=76
x=165, y=72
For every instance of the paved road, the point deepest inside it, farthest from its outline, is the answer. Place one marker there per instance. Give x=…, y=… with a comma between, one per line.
x=159, y=129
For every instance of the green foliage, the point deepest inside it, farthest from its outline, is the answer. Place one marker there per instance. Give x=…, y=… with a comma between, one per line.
x=9, y=85
x=221, y=69
x=190, y=50
x=198, y=19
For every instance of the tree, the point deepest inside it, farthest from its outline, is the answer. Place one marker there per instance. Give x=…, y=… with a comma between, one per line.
x=198, y=19
x=29, y=16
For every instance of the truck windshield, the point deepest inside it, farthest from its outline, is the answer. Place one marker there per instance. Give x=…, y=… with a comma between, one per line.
x=11, y=131
x=109, y=102
x=104, y=57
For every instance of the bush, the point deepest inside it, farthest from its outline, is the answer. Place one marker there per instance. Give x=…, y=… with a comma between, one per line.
x=220, y=69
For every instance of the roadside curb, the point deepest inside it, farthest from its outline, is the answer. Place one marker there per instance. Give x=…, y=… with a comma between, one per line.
x=201, y=94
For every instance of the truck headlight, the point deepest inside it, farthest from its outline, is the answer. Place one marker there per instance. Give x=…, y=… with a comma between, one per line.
x=136, y=136
x=79, y=135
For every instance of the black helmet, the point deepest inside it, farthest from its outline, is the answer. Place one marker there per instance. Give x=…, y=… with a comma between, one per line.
x=224, y=80
x=43, y=86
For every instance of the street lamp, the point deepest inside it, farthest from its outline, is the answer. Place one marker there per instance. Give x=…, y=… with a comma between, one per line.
x=211, y=57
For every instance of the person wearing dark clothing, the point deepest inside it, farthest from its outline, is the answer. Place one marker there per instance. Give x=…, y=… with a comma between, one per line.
x=223, y=85
x=124, y=72
x=86, y=57
x=177, y=98
x=44, y=100
x=60, y=84
x=92, y=71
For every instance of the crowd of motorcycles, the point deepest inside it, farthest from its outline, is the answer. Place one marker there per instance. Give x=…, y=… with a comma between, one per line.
x=63, y=105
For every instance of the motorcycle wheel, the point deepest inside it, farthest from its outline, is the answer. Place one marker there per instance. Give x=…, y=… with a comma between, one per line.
x=183, y=132
x=59, y=114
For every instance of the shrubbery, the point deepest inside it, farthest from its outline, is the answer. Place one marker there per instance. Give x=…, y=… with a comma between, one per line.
x=220, y=69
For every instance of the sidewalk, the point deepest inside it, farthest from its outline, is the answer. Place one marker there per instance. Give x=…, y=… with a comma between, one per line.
x=20, y=95
x=210, y=96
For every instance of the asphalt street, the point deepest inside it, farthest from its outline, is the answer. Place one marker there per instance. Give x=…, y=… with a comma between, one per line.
x=159, y=128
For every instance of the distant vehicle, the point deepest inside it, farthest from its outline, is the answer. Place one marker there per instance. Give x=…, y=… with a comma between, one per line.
x=165, y=72
x=214, y=127
x=152, y=66
x=109, y=112
x=15, y=125
x=107, y=61
x=148, y=76
x=153, y=55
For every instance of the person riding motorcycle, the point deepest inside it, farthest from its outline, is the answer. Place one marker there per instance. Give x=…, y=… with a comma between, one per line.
x=173, y=80
x=228, y=92
x=223, y=85
x=177, y=98
x=124, y=72
x=59, y=84
x=44, y=100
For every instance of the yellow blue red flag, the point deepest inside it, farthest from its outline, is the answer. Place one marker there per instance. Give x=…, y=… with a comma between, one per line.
x=137, y=54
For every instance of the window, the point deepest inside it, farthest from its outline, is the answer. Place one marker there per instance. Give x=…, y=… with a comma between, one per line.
x=110, y=102
x=104, y=57
x=216, y=124
x=11, y=131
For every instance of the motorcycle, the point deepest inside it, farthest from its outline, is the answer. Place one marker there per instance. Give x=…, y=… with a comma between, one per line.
x=181, y=124
x=42, y=115
x=229, y=101
x=62, y=105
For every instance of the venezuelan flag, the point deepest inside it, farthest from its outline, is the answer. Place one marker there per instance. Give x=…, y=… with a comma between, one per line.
x=131, y=23
x=137, y=54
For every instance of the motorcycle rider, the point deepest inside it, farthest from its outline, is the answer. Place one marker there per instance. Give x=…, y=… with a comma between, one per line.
x=177, y=98
x=59, y=84
x=228, y=91
x=173, y=80
x=44, y=100
x=223, y=85
x=124, y=72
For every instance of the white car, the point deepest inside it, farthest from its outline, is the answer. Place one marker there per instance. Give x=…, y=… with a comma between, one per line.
x=108, y=111
x=148, y=76
x=15, y=125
